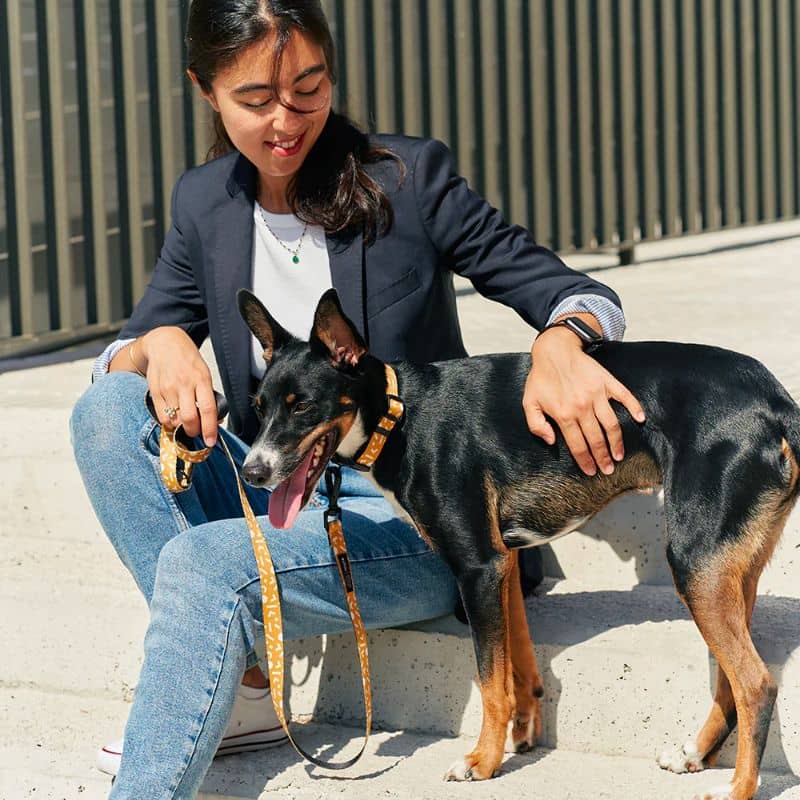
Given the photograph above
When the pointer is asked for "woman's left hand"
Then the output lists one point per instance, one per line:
(572, 389)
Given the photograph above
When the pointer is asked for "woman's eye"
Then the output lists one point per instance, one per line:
(258, 105)
(302, 406)
(309, 93)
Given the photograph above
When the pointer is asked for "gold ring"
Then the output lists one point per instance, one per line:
(171, 412)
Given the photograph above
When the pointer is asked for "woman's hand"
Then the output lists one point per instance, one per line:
(179, 378)
(574, 390)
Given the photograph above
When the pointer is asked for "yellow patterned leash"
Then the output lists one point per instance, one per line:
(177, 478)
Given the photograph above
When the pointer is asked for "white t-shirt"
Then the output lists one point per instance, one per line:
(289, 291)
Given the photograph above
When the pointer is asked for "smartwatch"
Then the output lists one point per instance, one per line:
(590, 338)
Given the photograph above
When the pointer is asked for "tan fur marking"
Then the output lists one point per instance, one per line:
(497, 697)
(527, 681)
(721, 599)
(548, 502)
(793, 466)
(290, 398)
(492, 511)
(425, 535)
(342, 423)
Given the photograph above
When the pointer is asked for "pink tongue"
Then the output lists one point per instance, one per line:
(285, 501)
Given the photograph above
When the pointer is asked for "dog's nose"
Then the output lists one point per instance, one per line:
(257, 474)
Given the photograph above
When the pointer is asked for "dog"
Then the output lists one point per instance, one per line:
(721, 437)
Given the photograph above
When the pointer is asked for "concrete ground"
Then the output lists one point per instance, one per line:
(72, 621)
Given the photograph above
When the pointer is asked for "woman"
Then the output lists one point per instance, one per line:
(303, 201)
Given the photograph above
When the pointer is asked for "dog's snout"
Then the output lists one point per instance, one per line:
(257, 473)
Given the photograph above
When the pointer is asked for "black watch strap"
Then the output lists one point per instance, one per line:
(589, 336)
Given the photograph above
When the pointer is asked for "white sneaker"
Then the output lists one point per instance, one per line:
(253, 726)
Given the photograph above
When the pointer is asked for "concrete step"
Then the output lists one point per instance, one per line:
(625, 673)
(58, 764)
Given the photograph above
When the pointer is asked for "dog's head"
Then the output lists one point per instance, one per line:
(307, 401)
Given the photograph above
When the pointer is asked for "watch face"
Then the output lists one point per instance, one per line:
(586, 332)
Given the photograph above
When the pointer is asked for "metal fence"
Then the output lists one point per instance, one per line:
(595, 123)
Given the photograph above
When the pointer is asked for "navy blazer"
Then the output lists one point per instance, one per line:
(398, 291)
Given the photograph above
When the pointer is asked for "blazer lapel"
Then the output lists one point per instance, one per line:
(231, 270)
(346, 256)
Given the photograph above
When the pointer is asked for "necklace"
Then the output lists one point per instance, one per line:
(295, 254)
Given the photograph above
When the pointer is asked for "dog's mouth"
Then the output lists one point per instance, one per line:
(291, 494)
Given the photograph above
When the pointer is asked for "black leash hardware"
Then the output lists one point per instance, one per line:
(333, 484)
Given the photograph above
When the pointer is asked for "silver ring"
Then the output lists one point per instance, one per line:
(171, 413)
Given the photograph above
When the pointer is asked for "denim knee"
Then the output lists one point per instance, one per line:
(111, 411)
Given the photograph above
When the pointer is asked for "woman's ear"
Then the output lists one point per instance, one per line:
(209, 96)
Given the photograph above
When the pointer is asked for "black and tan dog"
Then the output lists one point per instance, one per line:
(722, 436)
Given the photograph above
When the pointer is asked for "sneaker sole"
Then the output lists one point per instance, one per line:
(108, 761)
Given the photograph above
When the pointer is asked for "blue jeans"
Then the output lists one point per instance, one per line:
(190, 555)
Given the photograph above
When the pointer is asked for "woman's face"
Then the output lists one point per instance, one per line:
(271, 136)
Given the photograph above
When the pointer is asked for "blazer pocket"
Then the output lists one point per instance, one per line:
(393, 293)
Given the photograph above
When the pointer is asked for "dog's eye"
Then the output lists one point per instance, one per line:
(302, 406)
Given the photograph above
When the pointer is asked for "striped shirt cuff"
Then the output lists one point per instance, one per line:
(609, 315)
(103, 361)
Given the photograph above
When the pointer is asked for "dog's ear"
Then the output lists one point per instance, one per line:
(269, 333)
(333, 335)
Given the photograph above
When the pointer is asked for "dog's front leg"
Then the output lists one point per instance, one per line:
(485, 594)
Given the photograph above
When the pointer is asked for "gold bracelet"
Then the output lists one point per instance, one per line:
(130, 356)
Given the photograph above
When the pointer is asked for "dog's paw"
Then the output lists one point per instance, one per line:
(467, 769)
(681, 759)
(522, 735)
(459, 771)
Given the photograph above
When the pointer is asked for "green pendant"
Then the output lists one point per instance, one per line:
(296, 259)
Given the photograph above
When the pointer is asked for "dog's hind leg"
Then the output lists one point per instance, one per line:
(719, 589)
(526, 724)
(702, 751)
(485, 594)
(717, 602)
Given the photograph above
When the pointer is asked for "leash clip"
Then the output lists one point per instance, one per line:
(333, 484)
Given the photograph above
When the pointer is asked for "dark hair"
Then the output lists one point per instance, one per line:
(332, 187)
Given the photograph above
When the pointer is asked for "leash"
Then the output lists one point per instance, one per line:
(177, 462)
(177, 479)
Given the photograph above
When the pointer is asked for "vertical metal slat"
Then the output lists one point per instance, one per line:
(165, 143)
(584, 234)
(626, 148)
(464, 97)
(784, 119)
(711, 117)
(441, 91)
(490, 109)
(19, 222)
(608, 108)
(385, 118)
(513, 44)
(747, 115)
(409, 42)
(670, 169)
(57, 204)
(732, 203)
(356, 100)
(689, 166)
(541, 177)
(765, 48)
(648, 161)
(98, 280)
(132, 185)
(563, 126)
